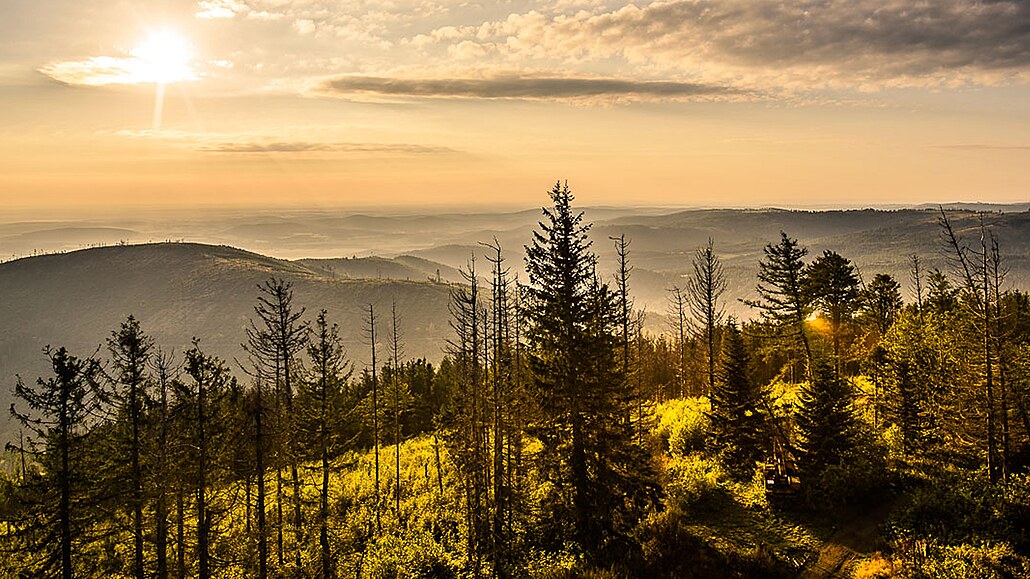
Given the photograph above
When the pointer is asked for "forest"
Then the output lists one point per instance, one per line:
(838, 431)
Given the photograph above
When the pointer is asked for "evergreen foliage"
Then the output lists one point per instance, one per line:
(56, 499)
(833, 288)
(602, 478)
(783, 300)
(882, 302)
(739, 420)
(704, 290)
(325, 419)
(826, 421)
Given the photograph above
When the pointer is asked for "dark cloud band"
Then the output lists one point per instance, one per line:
(553, 88)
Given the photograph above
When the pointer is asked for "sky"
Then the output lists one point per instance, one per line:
(116, 105)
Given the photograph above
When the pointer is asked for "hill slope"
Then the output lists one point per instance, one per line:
(179, 291)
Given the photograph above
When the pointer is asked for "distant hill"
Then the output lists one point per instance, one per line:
(877, 241)
(182, 290)
(403, 267)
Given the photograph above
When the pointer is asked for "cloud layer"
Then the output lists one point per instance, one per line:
(774, 43)
(599, 49)
(512, 87)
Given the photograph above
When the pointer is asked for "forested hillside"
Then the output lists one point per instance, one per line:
(183, 291)
(839, 430)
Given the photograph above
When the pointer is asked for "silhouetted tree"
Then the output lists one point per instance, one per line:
(57, 509)
(284, 335)
(130, 355)
(322, 406)
(783, 301)
(704, 289)
(587, 446)
(882, 302)
(678, 308)
(205, 396)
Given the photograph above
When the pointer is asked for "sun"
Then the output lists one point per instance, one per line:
(163, 58)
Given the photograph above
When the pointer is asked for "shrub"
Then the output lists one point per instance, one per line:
(683, 425)
(696, 483)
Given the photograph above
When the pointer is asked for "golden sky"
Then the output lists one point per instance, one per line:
(122, 104)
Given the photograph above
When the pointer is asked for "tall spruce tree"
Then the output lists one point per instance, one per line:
(738, 419)
(882, 302)
(130, 356)
(467, 413)
(603, 478)
(783, 302)
(322, 407)
(161, 453)
(55, 494)
(833, 287)
(283, 336)
(704, 290)
(826, 421)
(205, 398)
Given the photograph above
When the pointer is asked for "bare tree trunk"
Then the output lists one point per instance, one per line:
(375, 410)
(259, 454)
(396, 410)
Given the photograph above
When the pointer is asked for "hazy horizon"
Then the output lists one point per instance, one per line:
(273, 103)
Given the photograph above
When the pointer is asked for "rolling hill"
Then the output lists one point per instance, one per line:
(182, 290)
(179, 291)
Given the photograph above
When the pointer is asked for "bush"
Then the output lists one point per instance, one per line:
(683, 425)
(985, 561)
(955, 510)
(860, 477)
(696, 483)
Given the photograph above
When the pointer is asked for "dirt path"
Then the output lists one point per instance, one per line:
(854, 538)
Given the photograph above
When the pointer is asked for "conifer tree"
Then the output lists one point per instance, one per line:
(467, 412)
(205, 397)
(783, 302)
(826, 421)
(395, 379)
(678, 308)
(625, 303)
(56, 493)
(322, 407)
(704, 289)
(882, 302)
(738, 419)
(588, 448)
(131, 353)
(833, 287)
(161, 452)
(370, 333)
(282, 336)
(506, 435)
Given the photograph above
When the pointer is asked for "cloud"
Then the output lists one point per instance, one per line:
(529, 88)
(215, 9)
(319, 147)
(105, 70)
(863, 44)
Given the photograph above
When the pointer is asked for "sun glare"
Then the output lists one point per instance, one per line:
(163, 58)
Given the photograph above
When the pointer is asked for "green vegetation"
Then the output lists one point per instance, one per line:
(843, 432)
